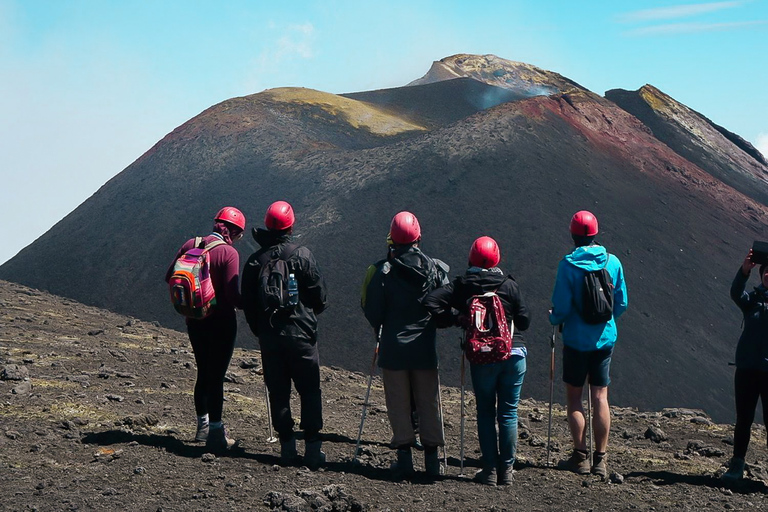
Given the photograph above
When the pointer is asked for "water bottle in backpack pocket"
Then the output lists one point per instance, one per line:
(278, 287)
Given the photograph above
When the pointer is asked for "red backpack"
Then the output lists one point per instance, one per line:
(488, 336)
(192, 292)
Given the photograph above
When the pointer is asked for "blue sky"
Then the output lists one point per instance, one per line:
(108, 79)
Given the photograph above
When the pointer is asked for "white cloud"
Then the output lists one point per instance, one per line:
(678, 11)
(762, 143)
(296, 42)
(282, 56)
(690, 28)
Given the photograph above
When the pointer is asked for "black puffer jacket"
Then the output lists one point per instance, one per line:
(392, 301)
(301, 322)
(752, 350)
(454, 298)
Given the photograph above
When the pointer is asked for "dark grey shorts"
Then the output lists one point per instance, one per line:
(595, 363)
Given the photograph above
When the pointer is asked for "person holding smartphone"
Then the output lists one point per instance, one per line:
(751, 378)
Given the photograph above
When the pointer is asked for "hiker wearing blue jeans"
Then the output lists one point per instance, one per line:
(500, 381)
(497, 384)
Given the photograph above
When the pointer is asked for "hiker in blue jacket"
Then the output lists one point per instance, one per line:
(587, 348)
(751, 378)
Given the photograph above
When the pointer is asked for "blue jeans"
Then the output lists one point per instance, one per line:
(503, 381)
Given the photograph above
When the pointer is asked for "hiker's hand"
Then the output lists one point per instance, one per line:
(748, 264)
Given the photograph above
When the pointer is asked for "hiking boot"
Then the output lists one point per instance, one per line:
(432, 462)
(599, 467)
(486, 476)
(314, 457)
(202, 429)
(218, 440)
(403, 468)
(505, 473)
(735, 471)
(288, 454)
(578, 463)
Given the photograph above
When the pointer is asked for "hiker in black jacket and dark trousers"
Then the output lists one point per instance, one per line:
(500, 381)
(288, 338)
(751, 379)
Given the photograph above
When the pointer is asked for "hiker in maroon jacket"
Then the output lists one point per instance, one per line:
(213, 337)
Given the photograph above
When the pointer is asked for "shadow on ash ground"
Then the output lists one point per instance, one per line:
(97, 413)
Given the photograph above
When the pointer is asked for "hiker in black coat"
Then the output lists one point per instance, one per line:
(392, 295)
(288, 338)
(751, 379)
(496, 381)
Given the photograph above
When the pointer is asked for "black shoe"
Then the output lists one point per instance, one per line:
(288, 454)
(218, 441)
(505, 474)
(403, 468)
(314, 457)
(432, 462)
(202, 430)
(486, 476)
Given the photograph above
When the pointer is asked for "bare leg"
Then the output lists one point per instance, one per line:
(601, 422)
(576, 420)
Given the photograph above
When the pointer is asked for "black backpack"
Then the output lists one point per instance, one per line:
(597, 297)
(273, 278)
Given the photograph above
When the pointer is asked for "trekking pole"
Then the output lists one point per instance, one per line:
(271, 438)
(367, 394)
(551, 390)
(589, 418)
(442, 421)
(461, 435)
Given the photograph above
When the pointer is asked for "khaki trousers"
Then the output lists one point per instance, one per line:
(425, 385)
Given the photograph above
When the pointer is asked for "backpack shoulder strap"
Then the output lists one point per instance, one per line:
(210, 246)
(198, 242)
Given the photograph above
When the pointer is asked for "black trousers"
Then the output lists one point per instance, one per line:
(213, 341)
(289, 360)
(749, 385)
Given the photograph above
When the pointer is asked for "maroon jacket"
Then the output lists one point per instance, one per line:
(225, 273)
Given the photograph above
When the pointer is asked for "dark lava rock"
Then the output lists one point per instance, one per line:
(655, 434)
(14, 372)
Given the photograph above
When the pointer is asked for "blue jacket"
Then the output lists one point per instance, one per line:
(567, 295)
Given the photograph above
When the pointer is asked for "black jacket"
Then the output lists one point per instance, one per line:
(453, 298)
(392, 300)
(301, 322)
(752, 350)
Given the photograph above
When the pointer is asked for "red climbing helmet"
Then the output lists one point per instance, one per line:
(584, 223)
(405, 228)
(231, 215)
(279, 216)
(484, 253)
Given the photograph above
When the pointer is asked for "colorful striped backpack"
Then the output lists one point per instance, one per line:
(191, 288)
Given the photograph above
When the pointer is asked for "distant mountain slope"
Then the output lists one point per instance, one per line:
(721, 153)
(516, 172)
(440, 103)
